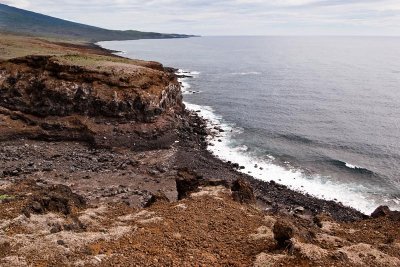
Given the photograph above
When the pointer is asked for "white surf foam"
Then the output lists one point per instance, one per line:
(185, 85)
(351, 166)
(264, 168)
(193, 74)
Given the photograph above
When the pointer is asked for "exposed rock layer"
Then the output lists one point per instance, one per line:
(102, 100)
(91, 86)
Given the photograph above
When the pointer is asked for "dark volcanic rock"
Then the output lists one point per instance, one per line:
(384, 211)
(189, 182)
(63, 86)
(57, 198)
(158, 197)
(243, 192)
(104, 101)
(283, 231)
(381, 211)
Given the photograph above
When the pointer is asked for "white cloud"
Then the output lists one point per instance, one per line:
(17, 3)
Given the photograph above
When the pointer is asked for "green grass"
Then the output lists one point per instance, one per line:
(4, 197)
(92, 59)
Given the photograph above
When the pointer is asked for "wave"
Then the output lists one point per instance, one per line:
(334, 162)
(348, 165)
(358, 148)
(352, 168)
(246, 73)
(337, 163)
(296, 138)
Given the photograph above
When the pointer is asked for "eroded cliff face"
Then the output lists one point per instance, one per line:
(90, 86)
(104, 100)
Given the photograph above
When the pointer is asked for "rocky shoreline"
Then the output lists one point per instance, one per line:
(97, 149)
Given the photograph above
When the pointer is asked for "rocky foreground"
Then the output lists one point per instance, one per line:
(101, 165)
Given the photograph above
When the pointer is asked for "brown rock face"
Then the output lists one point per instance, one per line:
(158, 197)
(381, 211)
(90, 86)
(243, 192)
(384, 211)
(58, 198)
(283, 231)
(189, 182)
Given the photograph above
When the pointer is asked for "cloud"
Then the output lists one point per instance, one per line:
(17, 3)
(230, 17)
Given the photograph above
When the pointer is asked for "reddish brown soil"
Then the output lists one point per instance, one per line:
(207, 228)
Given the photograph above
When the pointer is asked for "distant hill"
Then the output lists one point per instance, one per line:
(19, 21)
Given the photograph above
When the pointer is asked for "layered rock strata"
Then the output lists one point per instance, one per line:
(90, 86)
(104, 100)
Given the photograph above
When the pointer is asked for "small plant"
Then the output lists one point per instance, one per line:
(4, 197)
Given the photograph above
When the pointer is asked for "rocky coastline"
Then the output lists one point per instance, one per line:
(101, 165)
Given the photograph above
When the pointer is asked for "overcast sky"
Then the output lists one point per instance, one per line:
(230, 17)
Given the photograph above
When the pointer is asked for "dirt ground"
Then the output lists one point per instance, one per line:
(208, 228)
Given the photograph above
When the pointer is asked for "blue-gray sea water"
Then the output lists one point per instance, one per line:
(324, 109)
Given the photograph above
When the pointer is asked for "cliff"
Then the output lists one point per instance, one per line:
(89, 86)
(75, 97)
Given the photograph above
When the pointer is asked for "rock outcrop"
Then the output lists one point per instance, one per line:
(90, 86)
(243, 192)
(103, 100)
(55, 198)
(189, 182)
(384, 211)
(283, 231)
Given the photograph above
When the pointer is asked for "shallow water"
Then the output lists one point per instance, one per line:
(319, 114)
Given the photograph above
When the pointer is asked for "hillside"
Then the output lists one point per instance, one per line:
(19, 21)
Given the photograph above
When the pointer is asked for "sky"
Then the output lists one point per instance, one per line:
(229, 17)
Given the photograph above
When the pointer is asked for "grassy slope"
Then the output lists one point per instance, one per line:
(19, 21)
(12, 46)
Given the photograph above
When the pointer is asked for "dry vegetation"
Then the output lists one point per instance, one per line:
(12, 46)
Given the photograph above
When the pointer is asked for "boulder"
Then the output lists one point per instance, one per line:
(384, 211)
(381, 211)
(243, 192)
(189, 182)
(56, 198)
(158, 197)
(283, 231)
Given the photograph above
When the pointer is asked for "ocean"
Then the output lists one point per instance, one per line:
(318, 114)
